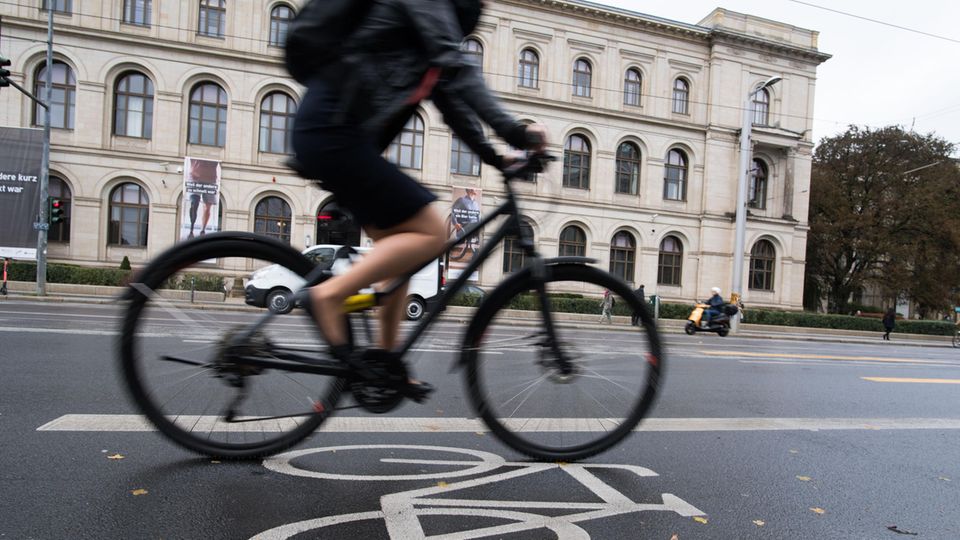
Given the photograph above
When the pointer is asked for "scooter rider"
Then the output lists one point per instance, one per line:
(715, 302)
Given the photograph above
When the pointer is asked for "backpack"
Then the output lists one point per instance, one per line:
(317, 34)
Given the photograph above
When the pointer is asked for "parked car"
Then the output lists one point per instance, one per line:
(272, 286)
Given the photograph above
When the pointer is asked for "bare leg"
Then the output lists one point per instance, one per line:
(206, 217)
(397, 250)
(391, 312)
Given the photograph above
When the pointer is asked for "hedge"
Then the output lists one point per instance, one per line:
(65, 273)
(110, 277)
(577, 304)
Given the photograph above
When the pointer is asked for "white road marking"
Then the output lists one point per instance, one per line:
(136, 423)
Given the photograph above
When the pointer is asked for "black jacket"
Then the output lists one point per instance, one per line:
(386, 58)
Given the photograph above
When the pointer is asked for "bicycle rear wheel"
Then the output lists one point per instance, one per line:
(179, 318)
(526, 396)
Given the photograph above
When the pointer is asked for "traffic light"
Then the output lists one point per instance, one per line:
(55, 210)
(4, 72)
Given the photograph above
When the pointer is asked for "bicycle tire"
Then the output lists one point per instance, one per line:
(591, 394)
(148, 336)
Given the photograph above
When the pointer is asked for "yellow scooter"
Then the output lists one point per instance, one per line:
(719, 323)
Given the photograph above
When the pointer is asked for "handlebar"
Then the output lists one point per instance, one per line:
(530, 164)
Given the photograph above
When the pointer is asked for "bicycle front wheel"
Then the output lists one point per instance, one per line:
(576, 398)
(182, 313)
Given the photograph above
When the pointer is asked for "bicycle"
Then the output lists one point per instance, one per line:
(250, 388)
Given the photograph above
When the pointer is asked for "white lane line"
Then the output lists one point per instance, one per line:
(133, 422)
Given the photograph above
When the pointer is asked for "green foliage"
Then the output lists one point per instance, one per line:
(195, 282)
(65, 273)
(846, 322)
(883, 212)
(125, 263)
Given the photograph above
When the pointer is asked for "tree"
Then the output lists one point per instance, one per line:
(882, 211)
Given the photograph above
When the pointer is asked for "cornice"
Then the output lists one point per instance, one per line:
(720, 35)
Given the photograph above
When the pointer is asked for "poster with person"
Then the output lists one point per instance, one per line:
(201, 195)
(465, 211)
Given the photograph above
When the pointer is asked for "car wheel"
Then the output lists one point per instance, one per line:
(415, 308)
(279, 301)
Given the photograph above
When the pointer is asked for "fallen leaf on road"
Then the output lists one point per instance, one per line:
(759, 522)
(441, 484)
(115, 456)
(674, 537)
(803, 478)
(139, 491)
(214, 461)
(818, 510)
(480, 433)
(900, 531)
(700, 519)
(944, 478)
(794, 451)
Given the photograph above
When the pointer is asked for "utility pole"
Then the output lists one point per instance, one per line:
(45, 165)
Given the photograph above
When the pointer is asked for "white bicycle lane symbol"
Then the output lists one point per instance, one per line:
(401, 511)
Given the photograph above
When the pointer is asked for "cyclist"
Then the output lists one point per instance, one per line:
(404, 51)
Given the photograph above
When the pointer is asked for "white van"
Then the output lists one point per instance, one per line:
(271, 286)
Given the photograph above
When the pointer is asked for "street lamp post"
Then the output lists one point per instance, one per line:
(742, 180)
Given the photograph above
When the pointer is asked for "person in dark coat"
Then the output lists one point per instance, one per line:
(889, 321)
(635, 319)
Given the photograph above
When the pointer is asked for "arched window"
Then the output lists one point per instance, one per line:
(213, 18)
(63, 100)
(60, 232)
(272, 217)
(628, 168)
(762, 258)
(757, 194)
(573, 242)
(632, 87)
(133, 110)
(462, 158)
(137, 12)
(529, 71)
(406, 150)
(513, 254)
(675, 176)
(576, 162)
(280, 18)
(208, 115)
(129, 216)
(681, 96)
(276, 123)
(582, 78)
(623, 256)
(473, 50)
(336, 226)
(761, 107)
(670, 265)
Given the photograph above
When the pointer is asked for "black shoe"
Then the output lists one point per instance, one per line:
(417, 391)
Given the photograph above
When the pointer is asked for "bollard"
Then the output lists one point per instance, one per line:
(193, 282)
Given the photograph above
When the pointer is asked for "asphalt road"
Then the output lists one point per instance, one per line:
(750, 438)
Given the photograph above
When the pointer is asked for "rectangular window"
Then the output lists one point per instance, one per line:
(462, 159)
(213, 15)
(137, 12)
(59, 6)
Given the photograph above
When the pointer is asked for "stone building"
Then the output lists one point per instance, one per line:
(644, 111)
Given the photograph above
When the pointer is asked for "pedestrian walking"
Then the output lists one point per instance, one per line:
(635, 319)
(606, 307)
(889, 321)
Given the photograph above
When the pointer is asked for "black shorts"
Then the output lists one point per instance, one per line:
(332, 149)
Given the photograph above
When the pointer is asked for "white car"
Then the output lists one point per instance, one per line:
(272, 286)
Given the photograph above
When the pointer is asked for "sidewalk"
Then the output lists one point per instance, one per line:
(88, 294)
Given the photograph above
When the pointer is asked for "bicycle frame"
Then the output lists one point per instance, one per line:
(510, 226)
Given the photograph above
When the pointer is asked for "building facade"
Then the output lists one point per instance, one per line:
(644, 111)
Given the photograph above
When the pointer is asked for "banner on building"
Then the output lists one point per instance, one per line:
(21, 158)
(464, 211)
(201, 196)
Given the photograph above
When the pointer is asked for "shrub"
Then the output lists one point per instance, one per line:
(65, 273)
(196, 282)
(125, 263)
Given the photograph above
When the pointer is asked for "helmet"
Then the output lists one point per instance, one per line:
(715, 290)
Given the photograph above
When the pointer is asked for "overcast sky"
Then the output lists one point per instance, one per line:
(879, 75)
